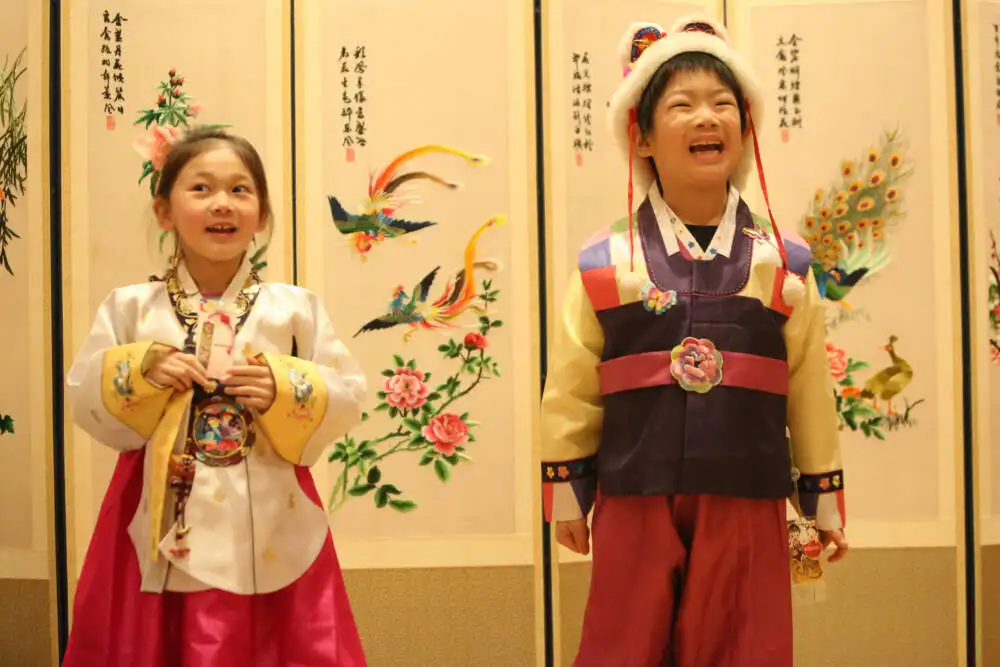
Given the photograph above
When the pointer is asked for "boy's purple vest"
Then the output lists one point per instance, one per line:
(661, 439)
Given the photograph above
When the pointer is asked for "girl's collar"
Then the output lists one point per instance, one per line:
(236, 284)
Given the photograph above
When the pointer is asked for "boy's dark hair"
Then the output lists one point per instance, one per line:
(689, 61)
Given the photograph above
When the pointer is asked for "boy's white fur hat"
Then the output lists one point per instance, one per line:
(642, 50)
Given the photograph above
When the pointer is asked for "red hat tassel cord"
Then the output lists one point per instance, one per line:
(763, 188)
(631, 149)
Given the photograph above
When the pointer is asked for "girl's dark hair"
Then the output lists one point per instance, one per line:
(201, 139)
(689, 61)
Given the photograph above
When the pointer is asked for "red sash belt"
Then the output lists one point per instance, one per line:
(652, 369)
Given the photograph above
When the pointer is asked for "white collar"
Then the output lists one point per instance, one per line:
(232, 291)
(675, 232)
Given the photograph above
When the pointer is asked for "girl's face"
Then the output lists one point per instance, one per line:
(696, 137)
(213, 207)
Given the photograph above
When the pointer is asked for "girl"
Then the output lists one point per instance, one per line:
(691, 338)
(219, 391)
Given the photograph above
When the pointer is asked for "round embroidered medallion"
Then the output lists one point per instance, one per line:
(222, 434)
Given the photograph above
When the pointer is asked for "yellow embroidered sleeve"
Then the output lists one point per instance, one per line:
(572, 413)
(299, 407)
(812, 415)
(125, 392)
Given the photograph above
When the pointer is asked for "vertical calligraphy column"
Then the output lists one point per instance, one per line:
(353, 105)
(112, 72)
(582, 105)
(789, 86)
(996, 66)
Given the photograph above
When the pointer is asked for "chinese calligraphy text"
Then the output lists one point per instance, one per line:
(789, 85)
(582, 106)
(996, 67)
(112, 73)
(353, 65)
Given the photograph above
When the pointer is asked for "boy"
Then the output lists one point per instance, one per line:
(691, 338)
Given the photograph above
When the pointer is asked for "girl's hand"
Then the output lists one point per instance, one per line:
(178, 371)
(253, 384)
(574, 535)
(837, 538)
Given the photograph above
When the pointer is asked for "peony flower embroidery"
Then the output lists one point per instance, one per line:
(157, 145)
(475, 341)
(656, 300)
(406, 389)
(446, 432)
(696, 365)
(838, 362)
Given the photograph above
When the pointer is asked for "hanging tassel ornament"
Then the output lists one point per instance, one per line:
(793, 288)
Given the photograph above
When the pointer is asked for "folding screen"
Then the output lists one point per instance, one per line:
(981, 26)
(135, 72)
(859, 149)
(25, 397)
(417, 227)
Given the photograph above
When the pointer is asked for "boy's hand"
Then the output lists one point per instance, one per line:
(837, 538)
(574, 535)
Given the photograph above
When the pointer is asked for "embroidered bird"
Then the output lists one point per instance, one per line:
(458, 295)
(376, 220)
(891, 380)
(846, 226)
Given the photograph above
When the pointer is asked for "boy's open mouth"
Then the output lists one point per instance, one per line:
(706, 147)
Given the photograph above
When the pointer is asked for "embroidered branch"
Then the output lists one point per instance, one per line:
(422, 420)
(13, 151)
(994, 301)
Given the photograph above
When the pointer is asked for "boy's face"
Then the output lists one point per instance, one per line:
(696, 137)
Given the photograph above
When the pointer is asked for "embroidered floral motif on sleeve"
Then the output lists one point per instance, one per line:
(823, 483)
(123, 382)
(302, 389)
(568, 471)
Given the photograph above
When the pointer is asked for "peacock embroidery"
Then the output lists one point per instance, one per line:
(376, 220)
(848, 228)
(848, 224)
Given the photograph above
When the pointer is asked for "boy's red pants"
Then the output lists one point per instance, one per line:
(688, 581)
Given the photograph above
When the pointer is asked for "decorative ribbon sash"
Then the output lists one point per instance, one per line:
(696, 366)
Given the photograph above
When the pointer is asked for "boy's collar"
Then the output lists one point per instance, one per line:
(674, 230)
